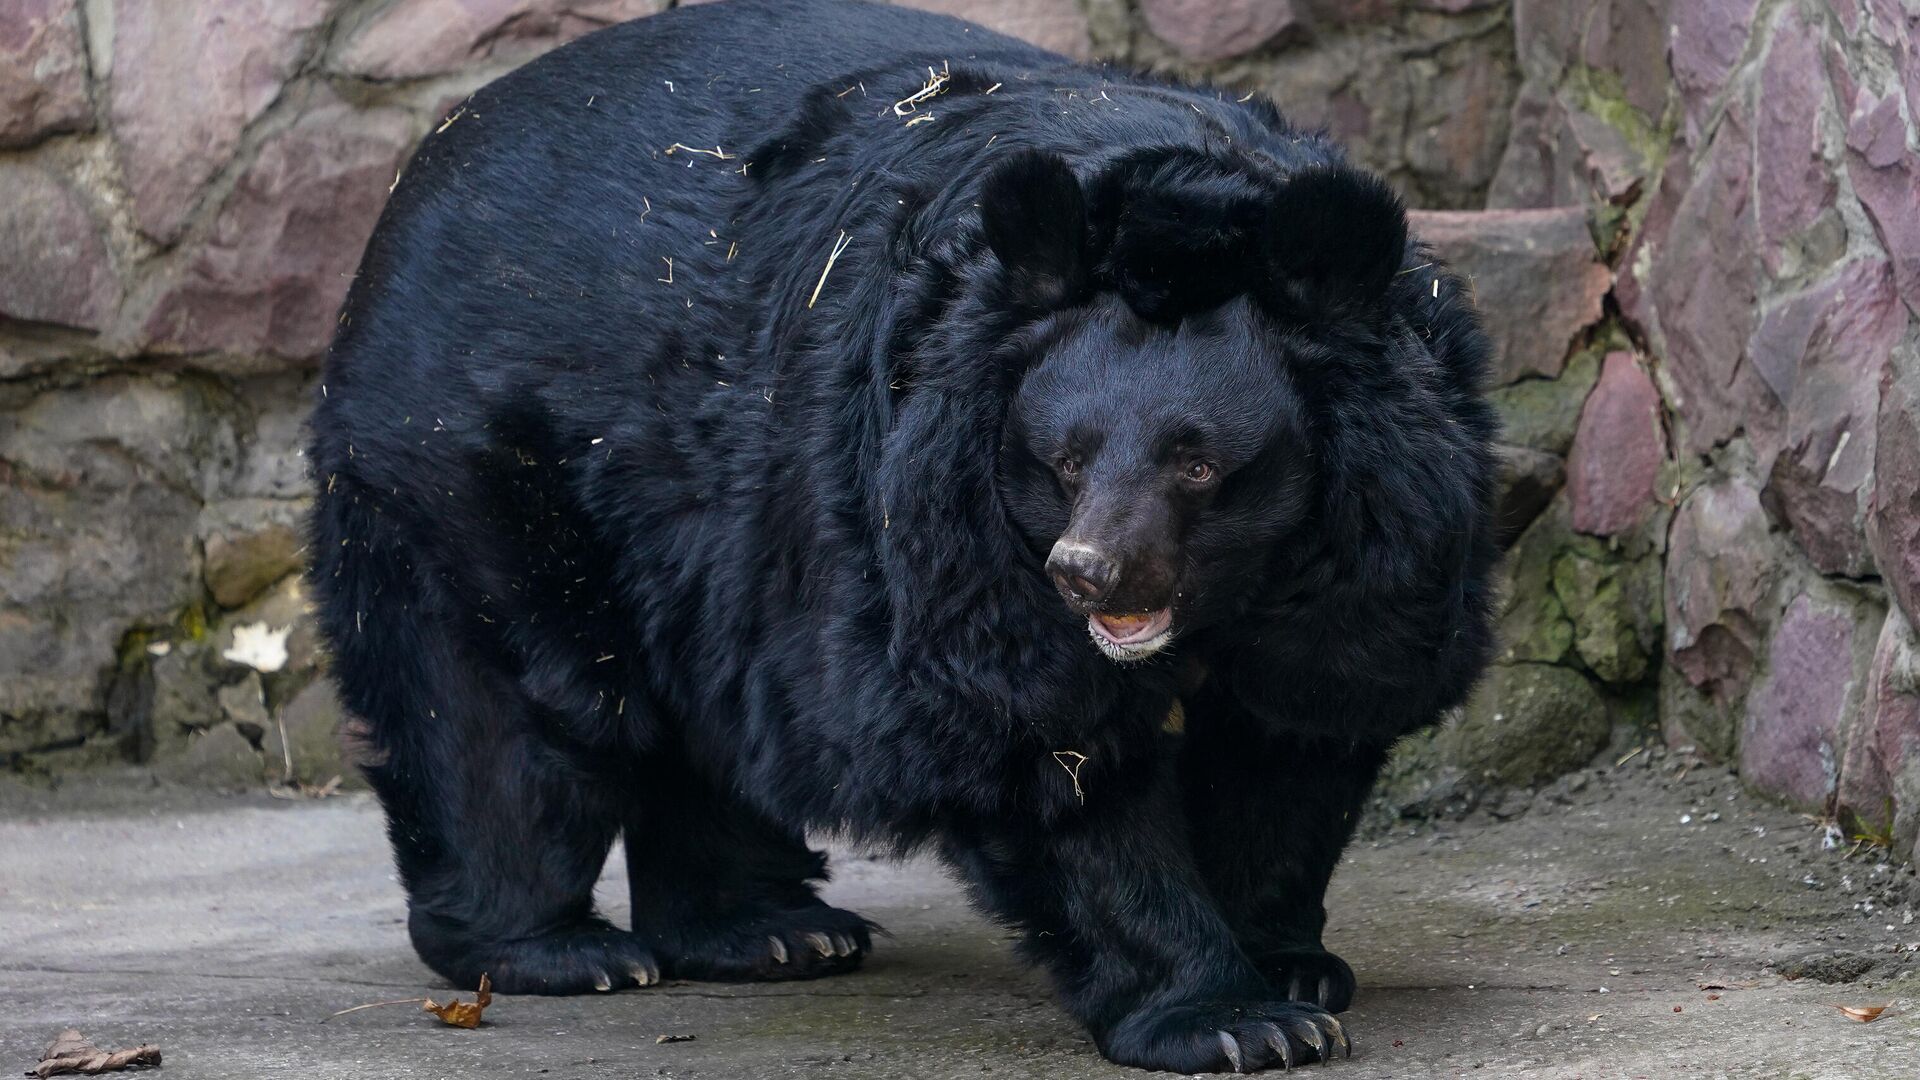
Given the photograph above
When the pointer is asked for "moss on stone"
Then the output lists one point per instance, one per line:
(1601, 94)
(1605, 643)
(1528, 723)
(1614, 607)
(1541, 414)
(192, 623)
(133, 648)
(1691, 715)
(1534, 625)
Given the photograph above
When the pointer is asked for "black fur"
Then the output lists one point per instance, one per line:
(610, 546)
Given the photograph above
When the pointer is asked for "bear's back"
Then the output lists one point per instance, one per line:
(580, 220)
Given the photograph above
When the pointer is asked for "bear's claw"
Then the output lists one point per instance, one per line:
(801, 943)
(1310, 975)
(1228, 1038)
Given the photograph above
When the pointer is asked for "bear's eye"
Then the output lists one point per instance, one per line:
(1202, 472)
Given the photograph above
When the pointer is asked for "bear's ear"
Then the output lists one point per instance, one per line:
(1335, 238)
(1035, 216)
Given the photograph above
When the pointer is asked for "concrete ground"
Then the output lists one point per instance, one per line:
(1636, 927)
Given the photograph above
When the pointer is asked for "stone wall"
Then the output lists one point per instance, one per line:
(1694, 226)
(1736, 545)
(187, 187)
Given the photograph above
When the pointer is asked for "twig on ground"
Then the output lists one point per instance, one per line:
(373, 1005)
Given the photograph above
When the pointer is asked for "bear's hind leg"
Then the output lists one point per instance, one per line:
(497, 834)
(507, 887)
(499, 841)
(723, 894)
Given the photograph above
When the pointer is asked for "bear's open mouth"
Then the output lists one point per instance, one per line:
(1131, 636)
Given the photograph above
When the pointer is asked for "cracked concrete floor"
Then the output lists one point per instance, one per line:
(1570, 941)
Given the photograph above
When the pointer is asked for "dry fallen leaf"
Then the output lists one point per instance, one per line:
(464, 1014)
(674, 1038)
(72, 1054)
(1860, 1014)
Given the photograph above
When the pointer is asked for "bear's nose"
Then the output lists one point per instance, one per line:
(1082, 572)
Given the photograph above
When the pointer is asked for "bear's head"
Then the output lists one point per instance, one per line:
(1161, 444)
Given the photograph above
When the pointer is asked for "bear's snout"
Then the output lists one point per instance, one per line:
(1084, 574)
(1127, 624)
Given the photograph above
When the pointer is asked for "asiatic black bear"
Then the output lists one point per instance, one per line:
(802, 414)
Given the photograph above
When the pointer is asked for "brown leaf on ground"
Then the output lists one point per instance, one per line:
(1860, 1014)
(71, 1054)
(464, 1014)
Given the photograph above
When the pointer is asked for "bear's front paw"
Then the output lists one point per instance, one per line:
(1314, 976)
(1239, 1038)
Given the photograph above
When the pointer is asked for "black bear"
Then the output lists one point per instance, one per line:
(807, 414)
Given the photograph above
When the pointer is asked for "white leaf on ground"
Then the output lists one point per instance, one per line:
(259, 646)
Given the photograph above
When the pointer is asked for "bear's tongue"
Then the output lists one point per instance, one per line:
(1131, 629)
